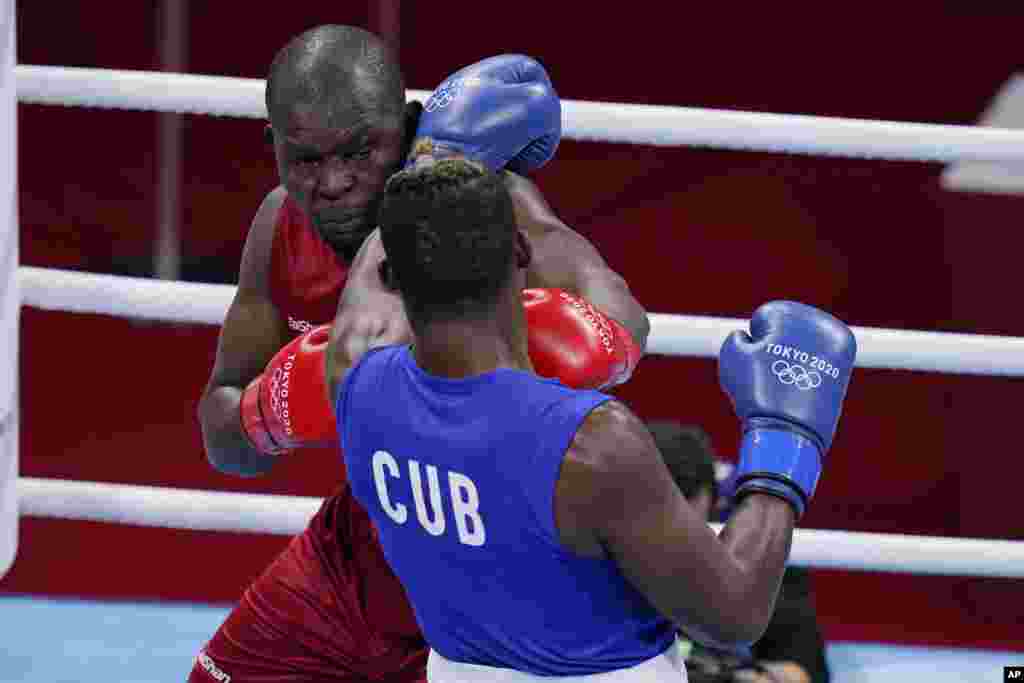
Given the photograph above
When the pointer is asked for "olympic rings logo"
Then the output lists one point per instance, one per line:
(796, 375)
(447, 92)
(440, 99)
(279, 383)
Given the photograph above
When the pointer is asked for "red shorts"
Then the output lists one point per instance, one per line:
(327, 609)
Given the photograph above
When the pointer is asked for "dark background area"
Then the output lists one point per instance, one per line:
(694, 231)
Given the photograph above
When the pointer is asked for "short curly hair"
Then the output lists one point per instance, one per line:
(449, 232)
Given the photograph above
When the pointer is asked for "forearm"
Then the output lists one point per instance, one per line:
(758, 536)
(608, 291)
(564, 259)
(227, 448)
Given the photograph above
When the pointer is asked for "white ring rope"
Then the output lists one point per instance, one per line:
(599, 121)
(671, 335)
(288, 515)
(76, 292)
(168, 508)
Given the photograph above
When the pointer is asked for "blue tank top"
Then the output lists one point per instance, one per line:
(459, 478)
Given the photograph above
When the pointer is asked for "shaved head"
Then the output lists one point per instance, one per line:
(342, 71)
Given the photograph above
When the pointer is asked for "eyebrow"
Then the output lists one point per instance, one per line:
(300, 148)
(355, 136)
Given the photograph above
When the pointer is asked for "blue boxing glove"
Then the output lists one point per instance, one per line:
(787, 380)
(502, 112)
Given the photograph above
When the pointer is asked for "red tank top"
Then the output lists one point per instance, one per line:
(306, 277)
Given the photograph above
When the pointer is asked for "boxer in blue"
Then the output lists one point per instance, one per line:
(535, 527)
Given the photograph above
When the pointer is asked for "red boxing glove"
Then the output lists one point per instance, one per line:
(571, 340)
(287, 406)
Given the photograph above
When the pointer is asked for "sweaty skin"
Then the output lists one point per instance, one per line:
(254, 330)
(370, 312)
(252, 333)
(615, 497)
(334, 174)
(564, 259)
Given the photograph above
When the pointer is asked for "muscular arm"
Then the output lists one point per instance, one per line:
(369, 314)
(564, 259)
(253, 332)
(616, 496)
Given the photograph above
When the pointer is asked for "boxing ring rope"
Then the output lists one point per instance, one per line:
(599, 121)
(671, 334)
(245, 512)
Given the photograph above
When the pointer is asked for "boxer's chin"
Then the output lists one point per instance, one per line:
(345, 234)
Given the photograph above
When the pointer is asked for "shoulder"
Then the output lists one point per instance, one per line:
(609, 427)
(259, 241)
(612, 442)
(610, 461)
(266, 214)
(533, 213)
(558, 250)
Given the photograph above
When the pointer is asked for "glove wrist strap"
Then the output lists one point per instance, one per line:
(778, 461)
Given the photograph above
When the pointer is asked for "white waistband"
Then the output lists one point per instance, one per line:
(668, 666)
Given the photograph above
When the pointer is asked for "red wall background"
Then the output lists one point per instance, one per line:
(693, 231)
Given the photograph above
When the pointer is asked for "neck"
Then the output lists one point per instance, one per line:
(464, 348)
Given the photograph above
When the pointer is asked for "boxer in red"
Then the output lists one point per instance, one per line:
(329, 608)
